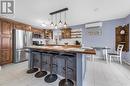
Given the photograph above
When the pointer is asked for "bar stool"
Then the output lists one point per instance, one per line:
(52, 77)
(66, 81)
(32, 68)
(41, 73)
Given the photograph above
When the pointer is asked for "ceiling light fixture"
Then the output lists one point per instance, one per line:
(60, 24)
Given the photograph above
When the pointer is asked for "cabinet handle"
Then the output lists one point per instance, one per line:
(4, 55)
(1, 55)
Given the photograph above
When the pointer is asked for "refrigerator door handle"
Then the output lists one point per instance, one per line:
(25, 39)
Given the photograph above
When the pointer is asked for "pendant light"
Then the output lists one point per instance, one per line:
(52, 24)
(65, 24)
(60, 22)
(56, 27)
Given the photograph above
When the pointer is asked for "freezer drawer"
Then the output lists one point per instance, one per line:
(21, 55)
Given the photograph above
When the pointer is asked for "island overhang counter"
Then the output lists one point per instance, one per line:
(77, 61)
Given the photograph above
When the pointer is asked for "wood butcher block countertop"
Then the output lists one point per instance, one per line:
(73, 49)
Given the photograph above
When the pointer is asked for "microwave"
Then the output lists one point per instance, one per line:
(35, 35)
(38, 43)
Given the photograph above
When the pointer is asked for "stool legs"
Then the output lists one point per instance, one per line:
(32, 69)
(51, 77)
(40, 73)
(66, 81)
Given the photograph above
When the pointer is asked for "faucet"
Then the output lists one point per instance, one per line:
(56, 41)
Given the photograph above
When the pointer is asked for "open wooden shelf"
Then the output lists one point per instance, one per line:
(76, 37)
(76, 34)
(76, 31)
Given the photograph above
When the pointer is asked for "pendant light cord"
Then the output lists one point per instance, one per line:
(56, 19)
(60, 16)
(52, 20)
(65, 16)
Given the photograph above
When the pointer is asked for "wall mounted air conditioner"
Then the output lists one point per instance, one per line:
(93, 25)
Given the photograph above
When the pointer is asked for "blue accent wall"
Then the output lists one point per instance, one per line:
(108, 35)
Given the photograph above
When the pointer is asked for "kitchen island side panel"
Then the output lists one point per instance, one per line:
(79, 79)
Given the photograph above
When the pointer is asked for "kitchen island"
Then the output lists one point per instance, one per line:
(75, 63)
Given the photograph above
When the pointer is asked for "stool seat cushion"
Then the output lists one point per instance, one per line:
(34, 51)
(37, 51)
(68, 54)
(54, 53)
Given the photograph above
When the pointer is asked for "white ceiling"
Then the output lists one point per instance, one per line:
(36, 12)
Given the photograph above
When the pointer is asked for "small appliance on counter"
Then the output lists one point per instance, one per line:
(35, 42)
(38, 43)
(77, 42)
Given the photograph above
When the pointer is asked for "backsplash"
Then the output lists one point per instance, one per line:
(63, 41)
(70, 41)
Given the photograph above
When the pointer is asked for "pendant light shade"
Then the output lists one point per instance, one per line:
(56, 22)
(60, 22)
(56, 27)
(52, 24)
(65, 24)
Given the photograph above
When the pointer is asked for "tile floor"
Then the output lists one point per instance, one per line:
(98, 74)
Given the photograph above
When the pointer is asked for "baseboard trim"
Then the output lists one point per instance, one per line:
(128, 63)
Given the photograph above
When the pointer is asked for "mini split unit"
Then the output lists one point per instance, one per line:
(93, 25)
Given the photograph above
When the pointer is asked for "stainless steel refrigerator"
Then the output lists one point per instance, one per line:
(21, 39)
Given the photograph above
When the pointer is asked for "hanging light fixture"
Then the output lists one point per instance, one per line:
(60, 23)
(52, 24)
(65, 24)
(56, 22)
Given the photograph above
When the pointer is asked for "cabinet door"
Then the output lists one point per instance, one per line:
(66, 33)
(6, 50)
(6, 28)
(0, 52)
(5, 42)
(27, 28)
(48, 34)
(0, 27)
(5, 57)
(19, 26)
(0, 58)
(37, 31)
